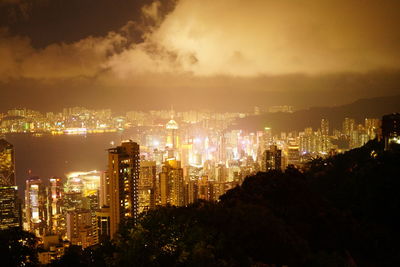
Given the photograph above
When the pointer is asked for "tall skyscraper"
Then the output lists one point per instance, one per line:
(123, 171)
(172, 138)
(10, 206)
(104, 191)
(7, 163)
(57, 193)
(36, 206)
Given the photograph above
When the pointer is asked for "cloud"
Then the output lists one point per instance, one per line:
(232, 37)
(84, 58)
(222, 37)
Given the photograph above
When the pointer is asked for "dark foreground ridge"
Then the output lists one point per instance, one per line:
(342, 211)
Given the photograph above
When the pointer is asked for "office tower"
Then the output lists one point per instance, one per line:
(10, 206)
(267, 137)
(172, 137)
(123, 171)
(391, 129)
(56, 194)
(104, 191)
(36, 206)
(93, 206)
(272, 159)
(80, 228)
(172, 184)
(147, 185)
(7, 164)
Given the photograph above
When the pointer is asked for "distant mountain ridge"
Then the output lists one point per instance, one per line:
(297, 121)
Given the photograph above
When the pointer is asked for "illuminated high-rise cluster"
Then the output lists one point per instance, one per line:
(10, 209)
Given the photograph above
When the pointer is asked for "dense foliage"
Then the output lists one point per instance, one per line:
(18, 248)
(342, 211)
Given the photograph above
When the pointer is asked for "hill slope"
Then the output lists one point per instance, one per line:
(359, 110)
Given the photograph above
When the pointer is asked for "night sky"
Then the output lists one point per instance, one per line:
(219, 54)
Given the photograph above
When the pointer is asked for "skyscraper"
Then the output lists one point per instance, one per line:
(36, 206)
(10, 206)
(123, 171)
(57, 193)
(7, 164)
(172, 138)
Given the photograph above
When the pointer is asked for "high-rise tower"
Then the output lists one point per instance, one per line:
(10, 208)
(123, 172)
(7, 164)
(36, 206)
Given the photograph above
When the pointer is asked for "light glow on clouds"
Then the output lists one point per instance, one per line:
(224, 37)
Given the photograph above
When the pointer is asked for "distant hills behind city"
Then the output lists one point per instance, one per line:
(298, 120)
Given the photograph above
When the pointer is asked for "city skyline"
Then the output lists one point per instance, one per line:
(199, 133)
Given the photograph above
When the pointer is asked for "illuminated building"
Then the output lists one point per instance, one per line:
(10, 206)
(192, 191)
(80, 228)
(123, 171)
(104, 191)
(348, 126)
(272, 159)
(87, 183)
(172, 138)
(293, 155)
(73, 200)
(205, 191)
(391, 129)
(7, 164)
(56, 194)
(267, 137)
(286, 109)
(147, 188)
(172, 184)
(103, 223)
(221, 173)
(372, 126)
(53, 249)
(325, 140)
(36, 206)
